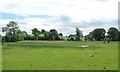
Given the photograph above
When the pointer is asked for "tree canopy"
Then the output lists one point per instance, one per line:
(78, 34)
(11, 31)
(113, 33)
(36, 33)
(13, 34)
(98, 34)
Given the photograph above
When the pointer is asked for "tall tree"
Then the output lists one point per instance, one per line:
(36, 33)
(53, 34)
(43, 31)
(90, 36)
(99, 34)
(25, 35)
(21, 35)
(46, 35)
(42, 35)
(78, 34)
(11, 30)
(112, 33)
(60, 36)
(8, 37)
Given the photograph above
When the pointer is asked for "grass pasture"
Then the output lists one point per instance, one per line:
(59, 55)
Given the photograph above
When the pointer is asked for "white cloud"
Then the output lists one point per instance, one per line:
(81, 9)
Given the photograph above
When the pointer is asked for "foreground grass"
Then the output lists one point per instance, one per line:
(59, 55)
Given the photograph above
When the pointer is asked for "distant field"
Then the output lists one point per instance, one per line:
(60, 55)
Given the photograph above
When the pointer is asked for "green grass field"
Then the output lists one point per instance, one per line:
(59, 55)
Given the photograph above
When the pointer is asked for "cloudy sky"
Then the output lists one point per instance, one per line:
(62, 15)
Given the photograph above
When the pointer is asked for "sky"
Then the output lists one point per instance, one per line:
(63, 15)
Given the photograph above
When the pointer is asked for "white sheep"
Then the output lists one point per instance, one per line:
(92, 55)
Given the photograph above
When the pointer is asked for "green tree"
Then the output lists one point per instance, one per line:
(46, 35)
(60, 36)
(71, 37)
(86, 38)
(36, 33)
(43, 31)
(30, 37)
(98, 34)
(21, 35)
(42, 35)
(11, 31)
(112, 33)
(90, 36)
(53, 34)
(8, 37)
(78, 34)
(25, 35)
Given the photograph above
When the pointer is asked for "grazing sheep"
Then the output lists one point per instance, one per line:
(92, 55)
(105, 68)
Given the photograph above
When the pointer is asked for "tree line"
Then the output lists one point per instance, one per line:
(14, 34)
(99, 34)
